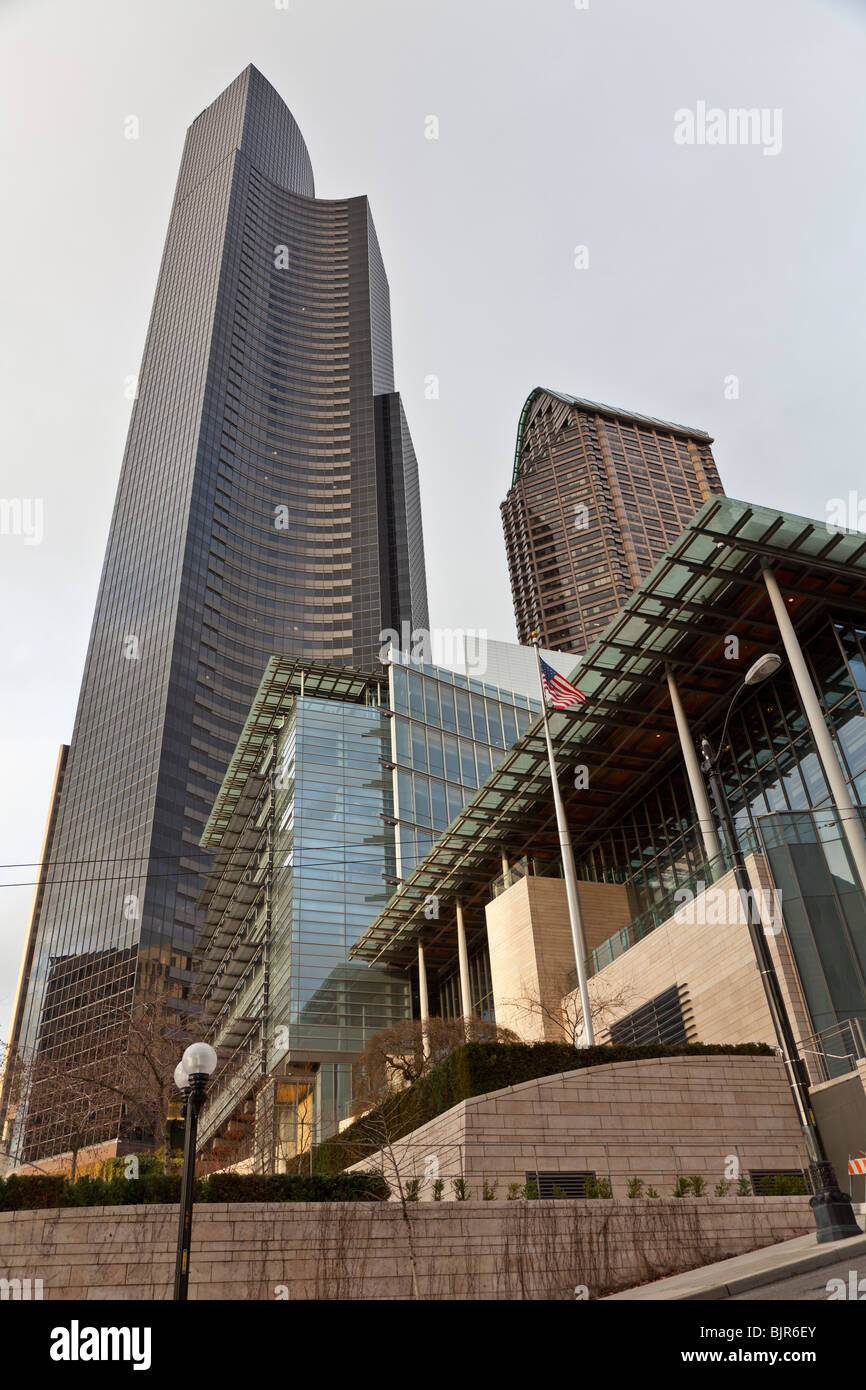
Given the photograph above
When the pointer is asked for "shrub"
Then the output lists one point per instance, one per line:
(460, 1190)
(488, 1191)
(438, 1189)
(635, 1187)
(88, 1191)
(148, 1163)
(699, 1186)
(788, 1185)
(293, 1187)
(783, 1185)
(412, 1189)
(31, 1193)
(596, 1187)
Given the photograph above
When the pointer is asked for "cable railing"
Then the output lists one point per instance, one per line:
(833, 1051)
(665, 907)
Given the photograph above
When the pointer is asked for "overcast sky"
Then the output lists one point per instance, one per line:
(556, 130)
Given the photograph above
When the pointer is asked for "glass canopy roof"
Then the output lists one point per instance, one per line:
(707, 587)
(284, 678)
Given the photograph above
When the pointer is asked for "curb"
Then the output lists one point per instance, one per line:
(798, 1264)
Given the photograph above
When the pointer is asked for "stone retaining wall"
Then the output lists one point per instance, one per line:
(655, 1119)
(346, 1250)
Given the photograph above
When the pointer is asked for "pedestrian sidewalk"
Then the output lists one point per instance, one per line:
(745, 1272)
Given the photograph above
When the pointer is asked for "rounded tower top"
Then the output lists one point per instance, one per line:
(251, 116)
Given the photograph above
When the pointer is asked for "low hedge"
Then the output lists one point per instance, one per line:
(34, 1193)
(479, 1067)
(294, 1187)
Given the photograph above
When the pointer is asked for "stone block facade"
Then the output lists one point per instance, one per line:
(531, 949)
(714, 1117)
(705, 948)
(361, 1250)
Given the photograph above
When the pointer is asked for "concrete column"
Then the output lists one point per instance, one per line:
(852, 826)
(706, 820)
(463, 958)
(423, 1000)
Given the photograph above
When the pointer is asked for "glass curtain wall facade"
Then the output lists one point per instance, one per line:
(448, 733)
(326, 824)
(782, 808)
(825, 913)
(597, 497)
(254, 514)
(332, 850)
(332, 853)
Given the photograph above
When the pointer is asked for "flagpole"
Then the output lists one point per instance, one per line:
(569, 872)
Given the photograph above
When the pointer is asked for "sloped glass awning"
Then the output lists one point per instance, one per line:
(284, 678)
(706, 588)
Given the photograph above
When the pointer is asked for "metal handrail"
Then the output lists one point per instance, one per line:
(656, 914)
(816, 1049)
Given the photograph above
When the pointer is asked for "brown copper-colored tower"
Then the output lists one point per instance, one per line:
(597, 496)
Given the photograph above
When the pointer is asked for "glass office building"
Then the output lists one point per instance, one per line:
(268, 501)
(449, 732)
(339, 780)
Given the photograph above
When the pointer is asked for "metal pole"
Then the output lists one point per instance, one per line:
(766, 966)
(193, 1100)
(712, 847)
(852, 826)
(463, 960)
(834, 1215)
(569, 873)
(423, 1000)
(506, 870)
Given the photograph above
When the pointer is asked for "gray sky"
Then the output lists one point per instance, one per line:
(556, 130)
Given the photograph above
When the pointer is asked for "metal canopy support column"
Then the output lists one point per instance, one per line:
(706, 820)
(848, 814)
(463, 958)
(423, 1000)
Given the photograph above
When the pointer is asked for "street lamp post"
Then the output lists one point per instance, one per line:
(834, 1215)
(191, 1077)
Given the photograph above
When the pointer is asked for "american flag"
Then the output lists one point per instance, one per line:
(560, 692)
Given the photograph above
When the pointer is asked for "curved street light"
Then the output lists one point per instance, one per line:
(831, 1207)
(191, 1077)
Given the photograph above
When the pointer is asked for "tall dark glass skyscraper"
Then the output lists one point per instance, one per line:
(268, 502)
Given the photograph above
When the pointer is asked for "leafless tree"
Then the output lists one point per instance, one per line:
(402, 1054)
(564, 1017)
(157, 1037)
(126, 1083)
(379, 1130)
